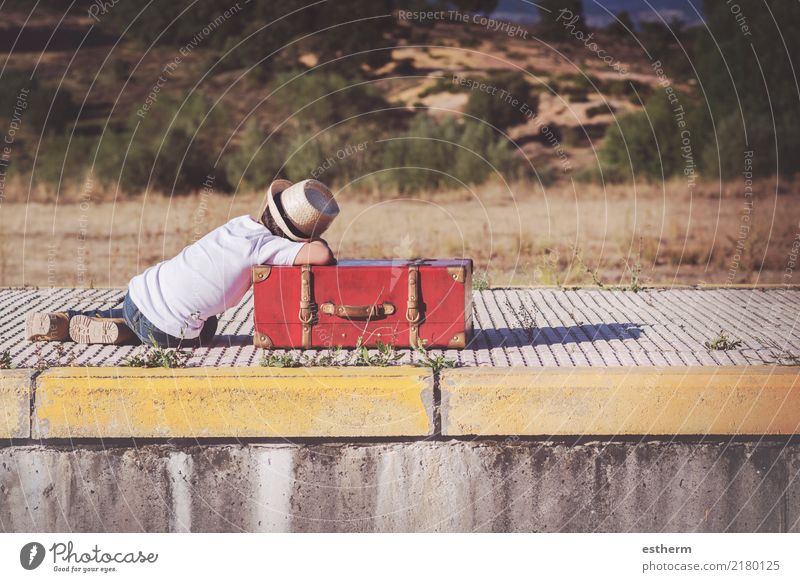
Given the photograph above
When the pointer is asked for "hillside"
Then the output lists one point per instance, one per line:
(106, 81)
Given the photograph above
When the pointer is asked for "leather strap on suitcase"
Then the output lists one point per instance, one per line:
(306, 314)
(413, 314)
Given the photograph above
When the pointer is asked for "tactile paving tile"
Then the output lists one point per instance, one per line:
(513, 327)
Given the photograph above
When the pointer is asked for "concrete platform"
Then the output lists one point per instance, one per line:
(514, 328)
(571, 410)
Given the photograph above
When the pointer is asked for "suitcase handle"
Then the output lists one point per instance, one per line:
(375, 311)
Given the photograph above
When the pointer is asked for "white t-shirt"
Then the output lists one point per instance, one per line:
(208, 276)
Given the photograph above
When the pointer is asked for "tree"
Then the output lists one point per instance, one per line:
(730, 63)
(557, 18)
(622, 26)
(668, 43)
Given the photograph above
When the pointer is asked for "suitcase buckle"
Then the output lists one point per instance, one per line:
(412, 314)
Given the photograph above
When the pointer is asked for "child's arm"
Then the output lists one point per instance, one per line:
(316, 252)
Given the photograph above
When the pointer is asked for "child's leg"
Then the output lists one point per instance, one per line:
(144, 330)
(209, 331)
(47, 327)
(100, 326)
(113, 313)
(151, 335)
(87, 329)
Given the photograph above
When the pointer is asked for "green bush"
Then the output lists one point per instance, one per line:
(337, 155)
(405, 67)
(172, 148)
(420, 159)
(722, 155)
(576, 87)
(424, 157)
(318, 99)
(625, 88)
(433, 155)
(497, 107)
(64, 159)
(30, 111)
(254, 163)
(647, 143)
(670, 44)
(601, 109)
(39, 107)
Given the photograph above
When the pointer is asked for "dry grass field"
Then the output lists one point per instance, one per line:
(563, 235)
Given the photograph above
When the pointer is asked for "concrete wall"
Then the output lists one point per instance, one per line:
(430, 485)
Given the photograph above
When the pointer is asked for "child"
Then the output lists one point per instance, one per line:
(176, 302)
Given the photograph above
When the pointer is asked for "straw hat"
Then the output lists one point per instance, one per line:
(303, 210)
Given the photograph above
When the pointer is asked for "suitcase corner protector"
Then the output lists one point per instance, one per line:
(458, 340)
(261, 273)
(261, 340)
(459, 274)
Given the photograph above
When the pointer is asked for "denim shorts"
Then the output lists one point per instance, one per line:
(149, 334)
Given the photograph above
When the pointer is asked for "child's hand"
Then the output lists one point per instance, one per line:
(316, 252)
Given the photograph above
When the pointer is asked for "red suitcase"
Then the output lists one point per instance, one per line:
(393, 302)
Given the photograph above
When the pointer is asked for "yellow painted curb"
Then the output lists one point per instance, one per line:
(736, 400)
(233, 402)
(15, 403)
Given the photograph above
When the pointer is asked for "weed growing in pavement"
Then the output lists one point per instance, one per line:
(635, 272)
(157, 358)
(548, 270)
(331, 357)
(386, 355)
(360, 356)
(526, 317)
(285, 360)
(59, 357)
(722, 342)
(576, 251)
(435, 363)
(480, 281)
(5, 361)
(780, 355)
